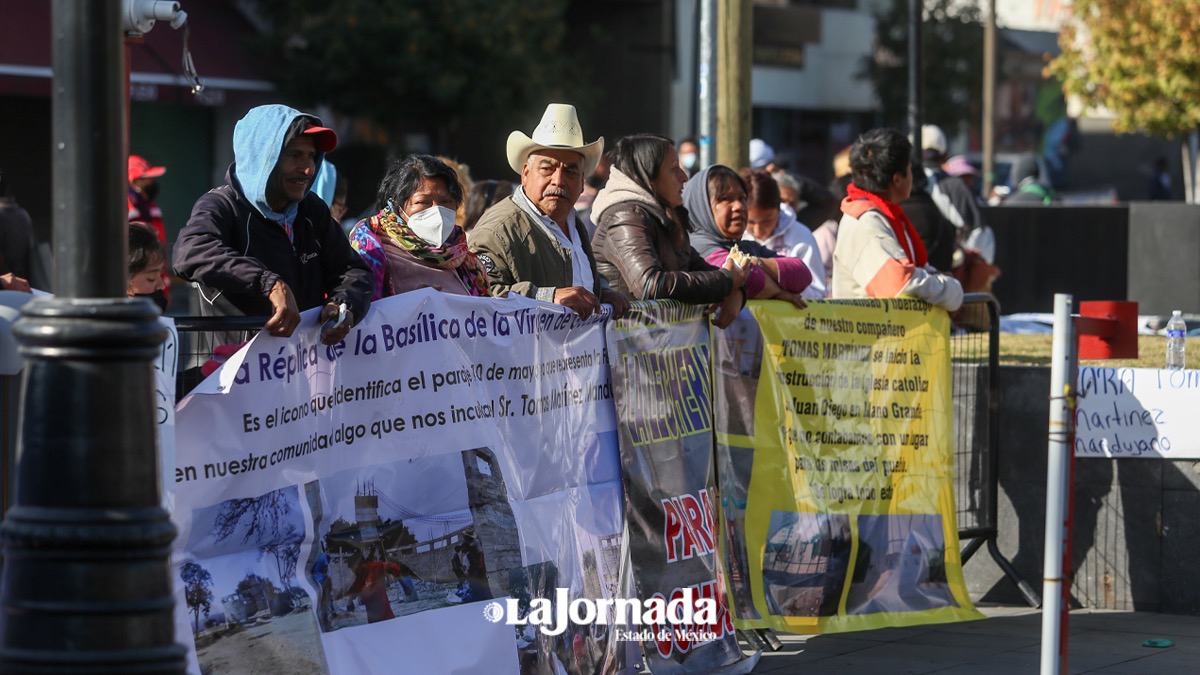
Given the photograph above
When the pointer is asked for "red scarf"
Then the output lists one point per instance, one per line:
(901, 225)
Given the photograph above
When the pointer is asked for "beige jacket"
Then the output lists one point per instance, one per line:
(520, 257)
(868, 262)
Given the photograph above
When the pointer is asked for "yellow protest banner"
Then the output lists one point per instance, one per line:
(834, 436)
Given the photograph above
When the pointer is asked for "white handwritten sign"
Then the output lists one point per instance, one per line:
(1138, 412)
(165, 367)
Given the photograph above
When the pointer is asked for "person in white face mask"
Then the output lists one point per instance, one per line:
(413, 241)
(689, 156)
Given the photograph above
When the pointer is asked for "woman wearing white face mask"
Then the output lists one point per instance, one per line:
(413, 242)
(689, 156)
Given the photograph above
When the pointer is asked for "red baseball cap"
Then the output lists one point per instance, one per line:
(140, 168)
(324, 139)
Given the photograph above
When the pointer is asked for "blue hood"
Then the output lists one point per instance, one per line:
(325, 182)
(257, 143)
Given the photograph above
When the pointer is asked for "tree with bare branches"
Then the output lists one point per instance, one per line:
(286, 553)
(257, 518)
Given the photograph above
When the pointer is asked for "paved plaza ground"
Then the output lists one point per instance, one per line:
(1007, 642)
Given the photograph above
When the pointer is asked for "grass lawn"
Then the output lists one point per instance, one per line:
(1034, 350)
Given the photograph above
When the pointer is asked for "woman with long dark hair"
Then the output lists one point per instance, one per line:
(641, 242)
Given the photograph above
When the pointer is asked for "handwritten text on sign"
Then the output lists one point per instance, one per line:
(1137, 412)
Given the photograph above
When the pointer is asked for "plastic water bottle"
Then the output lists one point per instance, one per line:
(1176, 336)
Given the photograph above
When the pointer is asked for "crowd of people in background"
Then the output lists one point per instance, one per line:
(577, 226)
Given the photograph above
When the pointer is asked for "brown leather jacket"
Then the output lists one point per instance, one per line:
(639, 256)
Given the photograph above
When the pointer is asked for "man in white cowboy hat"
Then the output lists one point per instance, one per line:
(532, 243)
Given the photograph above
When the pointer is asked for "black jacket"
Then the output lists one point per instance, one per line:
(236, 255)
(16, 239)
(932, 227)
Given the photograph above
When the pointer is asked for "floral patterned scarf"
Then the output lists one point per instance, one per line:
(451, 255)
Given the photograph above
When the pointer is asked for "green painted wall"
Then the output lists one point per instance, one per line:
(179, 137)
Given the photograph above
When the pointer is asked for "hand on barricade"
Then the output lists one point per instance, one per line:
(728, 309)
(12, 282)
(793, 298)
(577, 298)
(619, 302)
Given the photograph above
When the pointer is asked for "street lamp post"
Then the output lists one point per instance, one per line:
(86, 586)
(915, 9)
(989, 100)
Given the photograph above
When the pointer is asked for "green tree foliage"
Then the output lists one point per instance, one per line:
(1141, 60)
(253, 585)
(416, 64)
(951, 62)
(197, 590)
(341, 525)
(396, 534)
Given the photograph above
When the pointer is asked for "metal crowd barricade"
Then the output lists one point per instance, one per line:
(975, 365)
(199, 336)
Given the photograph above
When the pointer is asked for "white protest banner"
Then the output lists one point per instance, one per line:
(1137, 412)
(354, 509)
(165, 367)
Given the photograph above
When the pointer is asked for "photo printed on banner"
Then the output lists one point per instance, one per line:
(734, 466)
(737, 356)
(249, 612)
(900, 566)
(805, 562)
(408, 537)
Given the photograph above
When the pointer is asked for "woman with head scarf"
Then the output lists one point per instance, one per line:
(641, 241)
(715, 199)
(413, 241)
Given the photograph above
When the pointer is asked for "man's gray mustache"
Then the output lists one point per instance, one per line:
(554, 192)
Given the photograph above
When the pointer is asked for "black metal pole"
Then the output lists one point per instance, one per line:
(914, 74)
(87, 579)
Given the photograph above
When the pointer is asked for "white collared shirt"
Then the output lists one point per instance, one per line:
(581, 266)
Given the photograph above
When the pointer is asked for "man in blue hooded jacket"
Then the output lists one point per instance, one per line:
(264, 244)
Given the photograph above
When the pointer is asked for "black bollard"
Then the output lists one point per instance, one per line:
(86, 583)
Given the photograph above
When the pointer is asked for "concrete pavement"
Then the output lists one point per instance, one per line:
(1007, 642)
